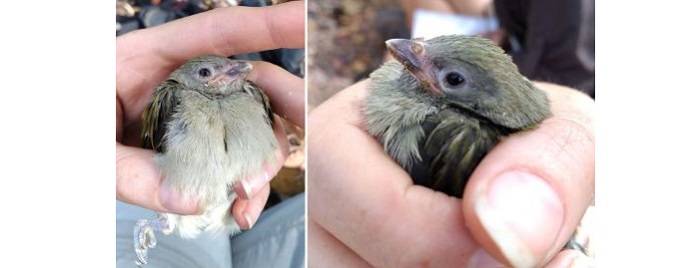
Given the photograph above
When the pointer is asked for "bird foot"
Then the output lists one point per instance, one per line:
(145, 236)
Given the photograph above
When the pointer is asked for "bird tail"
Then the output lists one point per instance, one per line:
(215, 220)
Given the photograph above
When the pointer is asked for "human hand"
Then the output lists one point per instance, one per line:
(146, 57)
(520, 206)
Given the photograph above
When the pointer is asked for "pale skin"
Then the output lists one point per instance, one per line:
(365, 211)
(146, 57)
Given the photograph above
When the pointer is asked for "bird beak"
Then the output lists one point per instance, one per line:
(411, 53)
(234, 70)
(239, 68)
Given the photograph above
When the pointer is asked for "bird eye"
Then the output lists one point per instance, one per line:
(204, 72)
(454, 79)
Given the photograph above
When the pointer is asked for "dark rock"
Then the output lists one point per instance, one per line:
(127, 26)
(155, 15)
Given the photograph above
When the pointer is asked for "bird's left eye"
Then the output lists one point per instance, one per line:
(454, 79)
(204, 72)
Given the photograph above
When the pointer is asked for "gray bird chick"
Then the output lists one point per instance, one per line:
(444, 103)
(210, 127)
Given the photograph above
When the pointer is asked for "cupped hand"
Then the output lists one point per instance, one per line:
(520, 205)
(146, 57)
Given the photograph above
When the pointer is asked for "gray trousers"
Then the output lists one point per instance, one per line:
(276, 240)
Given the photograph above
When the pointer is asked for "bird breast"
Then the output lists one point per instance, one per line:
(213, 143)
(394, 113)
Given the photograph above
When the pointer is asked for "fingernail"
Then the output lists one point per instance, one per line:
(250, 221)
(482, 259)
(242, 189)
(174, 202)
(247, 186)
(522, 214)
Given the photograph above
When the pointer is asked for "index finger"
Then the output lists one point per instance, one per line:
(286, 91)
(230, 31)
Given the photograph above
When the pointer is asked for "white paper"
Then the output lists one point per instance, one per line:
(429, 24)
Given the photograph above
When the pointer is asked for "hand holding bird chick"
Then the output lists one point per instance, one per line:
(208, 124)
(445, 102)
(146, 57)
(191, 175)
(538, 184)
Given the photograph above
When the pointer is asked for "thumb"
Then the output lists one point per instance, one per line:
(529, 193)
(139, 182)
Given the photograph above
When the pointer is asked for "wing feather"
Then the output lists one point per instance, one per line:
(157, 114)
(253, 89)
(453, 147)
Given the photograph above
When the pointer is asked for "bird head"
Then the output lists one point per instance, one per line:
(214, 75)
(473, 74)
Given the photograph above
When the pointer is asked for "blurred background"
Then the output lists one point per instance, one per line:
(549, 40)
(138, 14)
(346, 42)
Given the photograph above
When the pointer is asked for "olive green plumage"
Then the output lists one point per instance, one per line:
(210, 127)
(444, 103)
(166, 98)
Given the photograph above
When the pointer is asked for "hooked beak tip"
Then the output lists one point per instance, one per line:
(391, 43)
(409, 52)
(240, 67)
(396, 46)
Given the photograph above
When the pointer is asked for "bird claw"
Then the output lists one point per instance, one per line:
(166, 226)
(145, 236)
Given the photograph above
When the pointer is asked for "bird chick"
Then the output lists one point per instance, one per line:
(210, 127)
(444, 103)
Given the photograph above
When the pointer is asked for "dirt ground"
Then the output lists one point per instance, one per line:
(346, 42)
